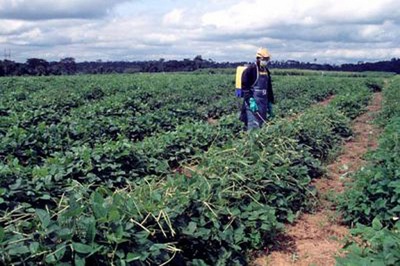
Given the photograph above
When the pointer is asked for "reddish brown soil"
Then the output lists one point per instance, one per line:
(316, 238)
(212, 121)
(365, 138)
(326, 101)
(187, 170)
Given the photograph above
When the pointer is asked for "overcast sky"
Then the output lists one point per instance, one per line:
(332, 31)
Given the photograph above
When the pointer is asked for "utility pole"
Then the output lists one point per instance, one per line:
(7, 56)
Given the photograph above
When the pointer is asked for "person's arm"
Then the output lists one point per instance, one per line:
(248, 78)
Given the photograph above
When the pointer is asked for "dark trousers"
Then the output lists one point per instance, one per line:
(256, 119)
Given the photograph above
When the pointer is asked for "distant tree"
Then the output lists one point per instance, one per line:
(2, 69)
(161, 65)
(20, 70)
(37, 66)
(12, 68)
(198, 61)
(68, 65)
(8, 67)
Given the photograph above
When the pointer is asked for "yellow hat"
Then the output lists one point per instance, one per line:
(263, 52)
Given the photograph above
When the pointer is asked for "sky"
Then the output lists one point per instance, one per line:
(322, 31)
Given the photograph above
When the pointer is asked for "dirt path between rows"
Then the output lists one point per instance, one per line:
(316, 238)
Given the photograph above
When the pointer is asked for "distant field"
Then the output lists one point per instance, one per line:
(153, 168)
(300, 72)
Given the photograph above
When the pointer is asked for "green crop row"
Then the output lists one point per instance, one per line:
(58, 120)
(372, 200)
(81, 204)
(346, 102)
(373, 192)
(114, 162)
(48, 120)
(145, 99)
(207, 218)
(301, 72)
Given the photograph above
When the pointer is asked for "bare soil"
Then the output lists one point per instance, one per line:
(212, 121)
(316, 238)
(326, 101)
(187, 170)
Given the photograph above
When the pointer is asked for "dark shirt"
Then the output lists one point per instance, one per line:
(249, 77)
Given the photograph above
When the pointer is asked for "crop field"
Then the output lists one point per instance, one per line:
(371, 203)
(155, 169)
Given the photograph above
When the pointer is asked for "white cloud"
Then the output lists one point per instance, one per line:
(12, 26)
(50, 9)
(173, 17)
(219, 29)
(381, 33)
(359, 11)
(256, 14)
(259, 13)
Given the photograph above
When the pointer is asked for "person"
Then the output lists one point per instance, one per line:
(258, 96)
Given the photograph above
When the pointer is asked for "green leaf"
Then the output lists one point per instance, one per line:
(98, 205)
(82, 248)
(90, 229)
(60, 251)
(290, 217)
(132, 256)
(239, 235)
(16, 185)
(44, 217)
(199, 262)
(65, 233)
(190, 229)
(376, 224)
(156, 196)
(73, 212)
(50, 259)
(2, 233)
(20, 250)
(142, 238)
(33, 247)
(79, 261)
(113, 215)
(45, 197)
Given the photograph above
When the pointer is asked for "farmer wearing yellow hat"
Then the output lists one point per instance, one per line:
(257, 93)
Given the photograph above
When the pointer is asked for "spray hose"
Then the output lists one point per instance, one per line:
(256, 112)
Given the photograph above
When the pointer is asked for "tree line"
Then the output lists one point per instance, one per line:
(69, 66)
